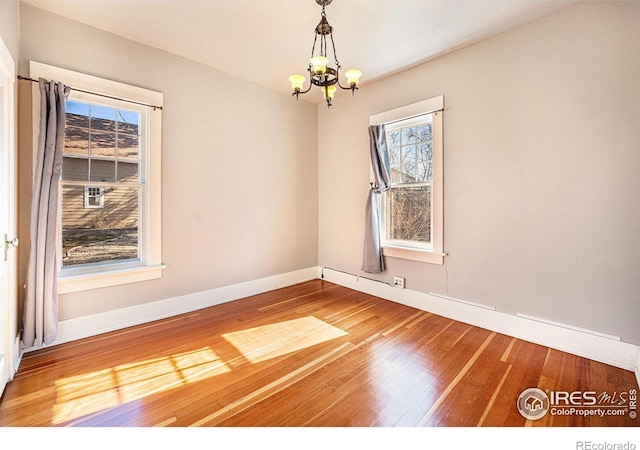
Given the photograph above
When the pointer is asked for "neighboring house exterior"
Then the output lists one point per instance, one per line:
(100, 151)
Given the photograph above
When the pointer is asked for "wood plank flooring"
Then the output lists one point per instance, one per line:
(310, 355)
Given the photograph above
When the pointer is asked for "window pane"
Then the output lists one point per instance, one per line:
(424, 132)
(396, 174)
(103, 118)
(425, 152)
(424, 171)
(394, 138)
(127, 172)
(77, 114)
(76, 141)
(104, 171)
(394, 156)
(408, 135)
(408, 173)
(103, 144)
(99, 235)
(408, 154)
(75, 169)
(128, 121)
(128, 146)
(409, 214)
(94, 200)
(404, 173)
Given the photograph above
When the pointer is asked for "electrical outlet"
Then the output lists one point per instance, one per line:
(398, 282)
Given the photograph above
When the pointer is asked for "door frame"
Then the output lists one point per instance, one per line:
(8, 315)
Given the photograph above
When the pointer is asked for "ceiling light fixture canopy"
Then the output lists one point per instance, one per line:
(320, 73)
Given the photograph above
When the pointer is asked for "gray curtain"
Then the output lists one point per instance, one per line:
(372, 260)
(40, 321)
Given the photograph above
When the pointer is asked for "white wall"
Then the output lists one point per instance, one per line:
(10, 26)
(239, 192)
(542, 156)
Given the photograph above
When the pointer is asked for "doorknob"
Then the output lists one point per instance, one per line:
(14, 242)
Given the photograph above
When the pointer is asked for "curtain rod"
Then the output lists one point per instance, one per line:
(20, 77)
(412, 117)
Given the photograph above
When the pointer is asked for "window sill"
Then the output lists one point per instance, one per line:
(426, 256)
(96, 280)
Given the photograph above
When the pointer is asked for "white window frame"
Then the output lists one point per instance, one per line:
(433, 253)
(149, 266)
(88, 195)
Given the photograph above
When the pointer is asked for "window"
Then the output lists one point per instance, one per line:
(93, 197)
(102, 145)
(411, 216)
(110, 185)
(407, 205)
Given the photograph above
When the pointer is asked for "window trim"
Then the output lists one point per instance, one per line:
(435, 254)
(150, 266)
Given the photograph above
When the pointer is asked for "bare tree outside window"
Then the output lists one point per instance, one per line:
(409, 216)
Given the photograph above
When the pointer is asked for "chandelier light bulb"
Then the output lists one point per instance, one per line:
(319, 64)
(353, 77)
(297, 81)
(328, 92)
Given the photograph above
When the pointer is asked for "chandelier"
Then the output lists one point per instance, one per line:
(320, 74)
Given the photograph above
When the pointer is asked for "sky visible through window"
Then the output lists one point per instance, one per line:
(102, 112)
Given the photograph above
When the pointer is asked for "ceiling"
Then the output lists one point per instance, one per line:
(265, 41)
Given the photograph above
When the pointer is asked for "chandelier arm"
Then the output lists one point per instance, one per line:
(310, 84)
(349, 88)
(298, 92)
(335, 56)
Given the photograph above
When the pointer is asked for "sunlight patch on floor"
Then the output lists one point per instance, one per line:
(88, 393)
(273, 340)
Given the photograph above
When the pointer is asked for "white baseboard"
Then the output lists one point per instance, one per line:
(81, 327)
(588, 344)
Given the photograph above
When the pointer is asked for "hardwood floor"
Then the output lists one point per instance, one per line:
(310, 355)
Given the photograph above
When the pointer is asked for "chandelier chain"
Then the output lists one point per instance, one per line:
(315, 39)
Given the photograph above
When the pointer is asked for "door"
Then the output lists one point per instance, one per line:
(8, 302)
